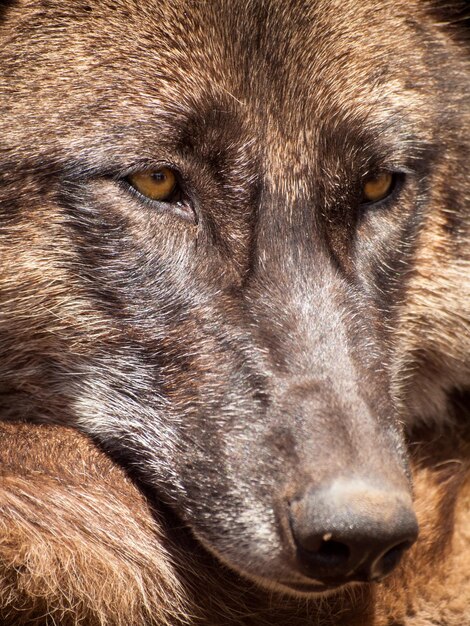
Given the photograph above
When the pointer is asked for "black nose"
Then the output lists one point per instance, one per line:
(351, 531)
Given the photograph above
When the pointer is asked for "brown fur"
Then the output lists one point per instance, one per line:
(272, 343)
(80, 544)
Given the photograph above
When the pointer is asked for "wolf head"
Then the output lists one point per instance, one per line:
(220, 227)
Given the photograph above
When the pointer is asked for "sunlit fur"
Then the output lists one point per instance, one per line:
(281, 334)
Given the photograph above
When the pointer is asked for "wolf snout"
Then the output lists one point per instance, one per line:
(351, 531)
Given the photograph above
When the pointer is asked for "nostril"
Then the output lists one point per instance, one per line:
(390, 559)
(329, 553)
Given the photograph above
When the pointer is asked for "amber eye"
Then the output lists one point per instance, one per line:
(377, 187)
(156, 185)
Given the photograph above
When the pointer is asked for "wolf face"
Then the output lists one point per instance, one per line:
(218, 222)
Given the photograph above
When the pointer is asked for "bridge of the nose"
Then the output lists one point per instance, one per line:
(331, 397)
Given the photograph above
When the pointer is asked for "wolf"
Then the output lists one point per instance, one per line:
(234, 242)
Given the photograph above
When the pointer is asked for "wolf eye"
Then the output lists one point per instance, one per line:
(160, 189)
(160, 185)
(377, 187)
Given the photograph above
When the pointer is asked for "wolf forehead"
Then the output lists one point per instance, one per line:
(173, 73)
